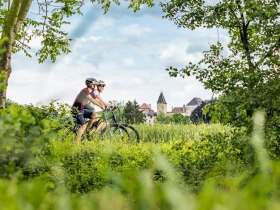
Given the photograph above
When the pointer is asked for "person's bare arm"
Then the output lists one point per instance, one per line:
(95, 101)
(102, 101)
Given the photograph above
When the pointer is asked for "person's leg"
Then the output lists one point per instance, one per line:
(102, 130)
(94, 118)
(97, 126)
(89, 114)
(80, 133)
(101, 126)
(80, 121)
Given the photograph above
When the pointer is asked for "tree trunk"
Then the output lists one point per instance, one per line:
(13, 20)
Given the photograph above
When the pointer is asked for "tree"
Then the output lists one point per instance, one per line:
(176, 118)
(20, 24)
(248, 77)
(132, 114)
(162, 118)
(198, 114)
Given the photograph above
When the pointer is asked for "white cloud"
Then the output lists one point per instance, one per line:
(136, 81)
(35, 43)
(89, 39)
(173, 53)
(128, 62)
(103, 23)
(135, 30)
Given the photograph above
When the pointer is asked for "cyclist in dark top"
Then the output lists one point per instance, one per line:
(82, 109)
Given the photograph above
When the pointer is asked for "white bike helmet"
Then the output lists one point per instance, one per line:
(101, 82)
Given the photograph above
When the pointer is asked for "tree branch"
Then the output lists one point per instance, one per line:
(270, 51)
(244, 36)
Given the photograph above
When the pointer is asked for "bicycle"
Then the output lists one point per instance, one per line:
(115, 129)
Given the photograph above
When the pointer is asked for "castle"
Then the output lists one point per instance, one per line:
(185, 110)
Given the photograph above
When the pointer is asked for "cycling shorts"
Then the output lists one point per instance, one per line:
(82, 115)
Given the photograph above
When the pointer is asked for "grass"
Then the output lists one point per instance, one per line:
(158, 173)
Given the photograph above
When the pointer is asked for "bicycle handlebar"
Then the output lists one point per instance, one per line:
(111, 108)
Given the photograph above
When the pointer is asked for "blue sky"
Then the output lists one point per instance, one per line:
(128, 50)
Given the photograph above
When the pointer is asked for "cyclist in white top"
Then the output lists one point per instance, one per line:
(96, 95)
(100, 87)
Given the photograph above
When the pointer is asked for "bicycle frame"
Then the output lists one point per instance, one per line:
(109, 117)
(112, 115)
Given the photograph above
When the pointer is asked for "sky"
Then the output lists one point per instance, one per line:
(129, 51)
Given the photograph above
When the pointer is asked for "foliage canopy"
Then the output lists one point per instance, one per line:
(245, 72)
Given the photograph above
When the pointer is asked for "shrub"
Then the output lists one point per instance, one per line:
(24, 131)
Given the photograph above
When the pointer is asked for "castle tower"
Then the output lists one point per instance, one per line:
(161, 104)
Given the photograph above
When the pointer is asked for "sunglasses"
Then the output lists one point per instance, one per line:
(101, 85)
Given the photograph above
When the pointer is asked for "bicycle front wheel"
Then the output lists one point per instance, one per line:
(119, 132)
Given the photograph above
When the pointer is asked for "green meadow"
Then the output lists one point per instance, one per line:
(206, 166)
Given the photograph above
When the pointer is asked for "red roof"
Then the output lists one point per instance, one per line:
(145, 106)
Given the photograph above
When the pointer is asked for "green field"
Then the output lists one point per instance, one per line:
(174, 167)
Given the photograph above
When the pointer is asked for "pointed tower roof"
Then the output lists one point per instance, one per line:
(195, 102)
(161, 99)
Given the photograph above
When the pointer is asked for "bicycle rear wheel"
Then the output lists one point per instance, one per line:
(133, 133)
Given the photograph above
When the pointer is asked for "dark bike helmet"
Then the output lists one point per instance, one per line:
(91, 81)
(101, 82)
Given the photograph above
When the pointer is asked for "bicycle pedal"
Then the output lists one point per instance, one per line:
(86, 135)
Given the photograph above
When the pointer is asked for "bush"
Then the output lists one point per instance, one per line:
(176, 118)
(24, 131)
